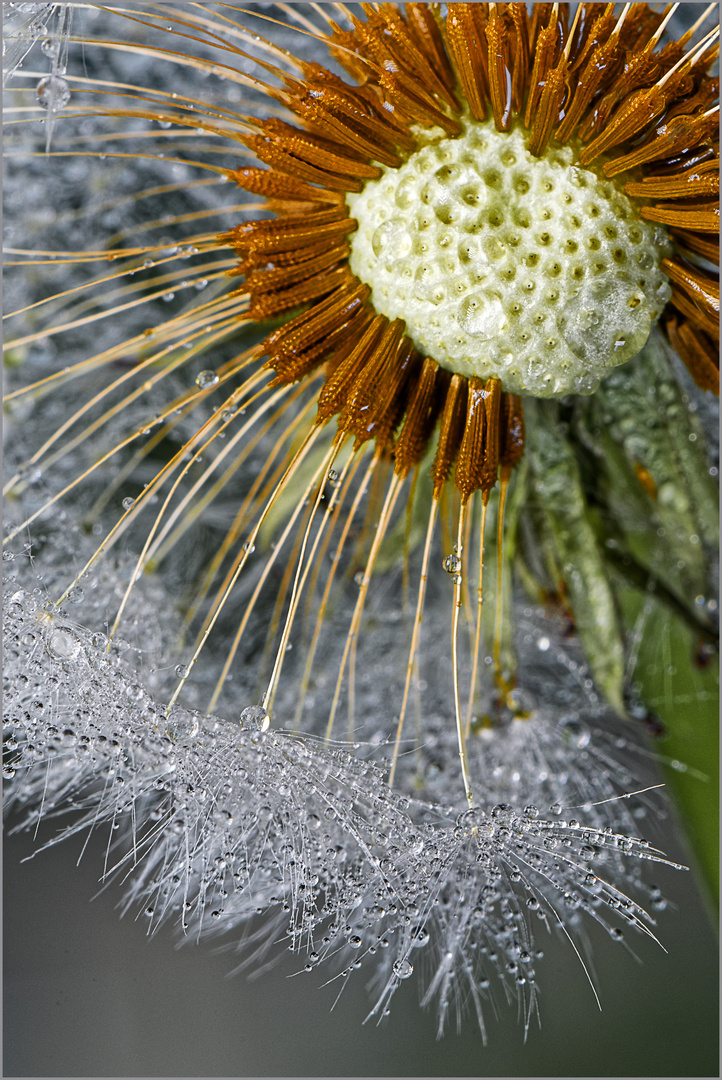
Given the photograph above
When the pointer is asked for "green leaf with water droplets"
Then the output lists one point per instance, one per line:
(650, 472)
(571, 549)
(656, 510)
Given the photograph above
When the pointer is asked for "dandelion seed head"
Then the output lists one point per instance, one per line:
(533, 270)
(229, 686)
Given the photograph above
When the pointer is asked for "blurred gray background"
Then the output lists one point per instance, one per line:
(89, 994)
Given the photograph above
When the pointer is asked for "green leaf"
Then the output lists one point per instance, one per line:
(651, 472)
(684, 695)
(571, 548)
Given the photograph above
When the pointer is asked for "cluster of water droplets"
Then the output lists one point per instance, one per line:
(50, 24)
(294, 843)
(23, 25)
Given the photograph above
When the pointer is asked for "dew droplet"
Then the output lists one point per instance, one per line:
(482, 315)
(206, 379)
(403, 969)
(452, 564)
(180, 723)
(254, 718)
(391, 240)
(53, 92)
(63, 644)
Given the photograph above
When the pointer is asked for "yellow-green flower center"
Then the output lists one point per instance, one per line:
(501, 264)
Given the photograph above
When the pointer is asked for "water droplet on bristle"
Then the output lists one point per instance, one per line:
(63, 644)
(254, 718)
(53, 92)
(403, 969)
(206, 379)
(452, 564)
(181, 724)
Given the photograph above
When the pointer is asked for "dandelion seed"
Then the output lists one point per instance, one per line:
(492, 214)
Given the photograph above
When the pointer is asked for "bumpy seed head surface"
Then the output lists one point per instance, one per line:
(530, 269)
